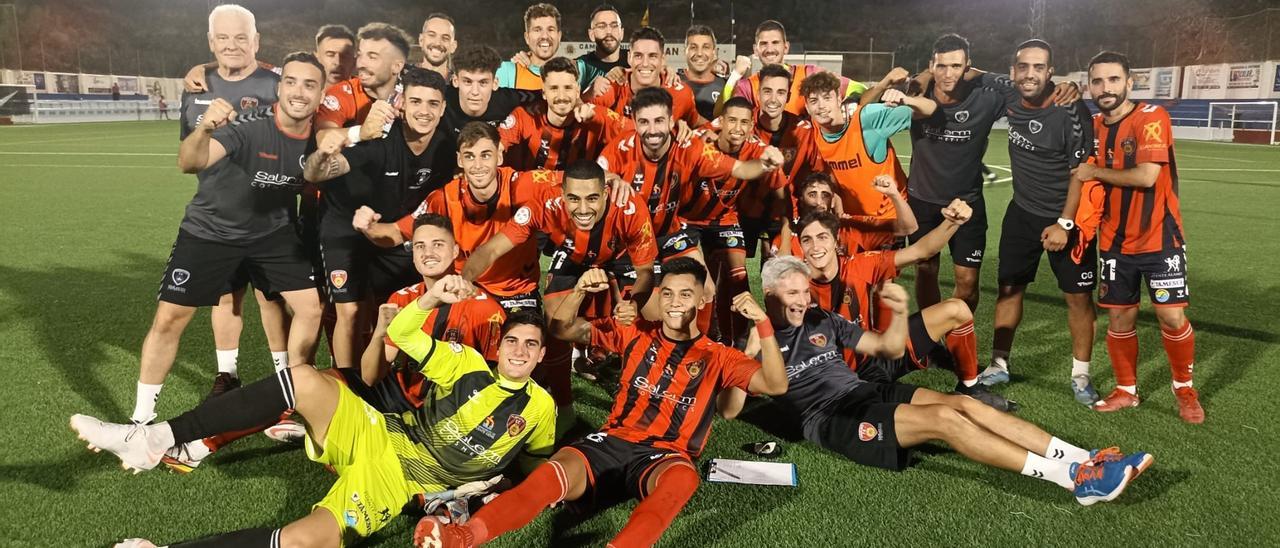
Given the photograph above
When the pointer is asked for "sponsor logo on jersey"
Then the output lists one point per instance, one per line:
(180, 276)
(515, 425)
(330, 102)
(1173, 264)
(1168, 284)
(338, 278)
(867, 432)
(1162, 295)
(509, 122)
(653, 391)
(350, 518)
(1153, 132)
(522, 215)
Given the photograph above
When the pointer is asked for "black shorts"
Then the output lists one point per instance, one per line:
(680, 242)
(969, 242)
(617, 469)
(720, 237)
(524, 301)
(1165, 274)
(200, 271)
(920, 349)
(860, 425)
(753, 229)
(357, 270)
(1020, 250)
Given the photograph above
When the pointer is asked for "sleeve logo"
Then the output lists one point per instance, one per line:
(522, 215)
(330, 102)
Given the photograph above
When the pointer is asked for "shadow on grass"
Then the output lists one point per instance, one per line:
(61, 474)
(76, 313)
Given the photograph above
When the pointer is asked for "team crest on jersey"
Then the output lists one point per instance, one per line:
(1128, 145)
(867, 432)
(509, 122)
(819, 340)
(1102, 290)
(1035, 126)
(696, 368)
(961, 116)
(180, 276)
(453, 335)
(515, 425)
(247, 103)
(338, 278)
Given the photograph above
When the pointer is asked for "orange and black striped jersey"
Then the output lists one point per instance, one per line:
(475, 322)
(620, 232)
(657, 183)
(849, 294)
(1139, 220)
(669, 387)
(618, 99)
(530, 141)
(718, 201)
(345, 104)
(793, 138)
(474, 223)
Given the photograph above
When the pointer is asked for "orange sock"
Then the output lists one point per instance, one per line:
(513, 509)
(1180, 346)
(1123, 349)
(655, 513)
(963, 344)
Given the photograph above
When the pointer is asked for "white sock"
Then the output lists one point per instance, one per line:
(1177, 385)
(1079, 367)
(280, 359)
(1065, 452)
(227, 361)
(1000, 358)
(1049, 470)
(577, 353)
(970, 383)
(1130, 389)
(144, 404)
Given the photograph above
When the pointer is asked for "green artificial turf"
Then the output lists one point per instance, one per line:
(88, 213)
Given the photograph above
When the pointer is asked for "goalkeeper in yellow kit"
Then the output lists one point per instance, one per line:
(475, 423)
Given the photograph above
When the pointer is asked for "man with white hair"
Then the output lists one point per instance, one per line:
(237, 78)
(876, 423)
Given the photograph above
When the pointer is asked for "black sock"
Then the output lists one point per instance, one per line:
(251, 405)
(245, 537)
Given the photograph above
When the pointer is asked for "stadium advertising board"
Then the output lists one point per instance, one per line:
(1229, 81)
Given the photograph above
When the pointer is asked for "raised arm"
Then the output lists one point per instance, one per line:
(365, 221)
(564, 321)
(769, 160)
(327, 162)
(375, 363)
(483, 257)
(954, 215)
(200, 150)
(904, 222)
(771, 379)
(892, 342)
(896, 77)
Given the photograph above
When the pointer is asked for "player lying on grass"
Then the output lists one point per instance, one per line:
(475, 321)
(672, 377)
(877, 423)
(940, 335)
(478, 422)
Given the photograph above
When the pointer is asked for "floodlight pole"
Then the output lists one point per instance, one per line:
(16, 33)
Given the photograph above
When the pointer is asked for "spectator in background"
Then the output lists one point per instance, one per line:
(115, 91)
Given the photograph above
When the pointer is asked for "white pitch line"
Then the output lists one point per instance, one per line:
(88, 167)
(1218, 158)
(1001, 168)
(1234, 169)
(8, 153)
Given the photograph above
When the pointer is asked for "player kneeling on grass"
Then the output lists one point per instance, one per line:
(672, 377)
(478, 422)
(876, 423)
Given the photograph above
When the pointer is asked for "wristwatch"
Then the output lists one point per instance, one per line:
(1066, 224)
